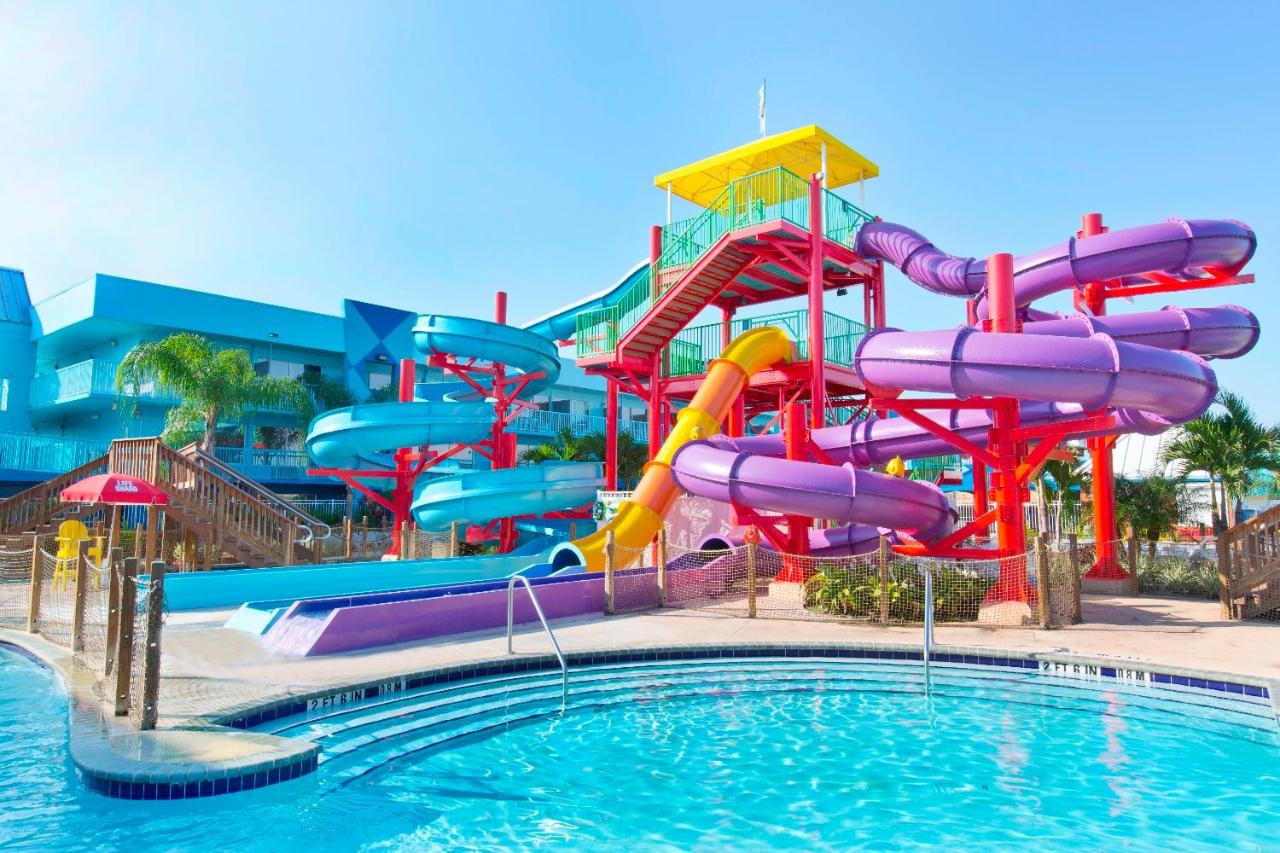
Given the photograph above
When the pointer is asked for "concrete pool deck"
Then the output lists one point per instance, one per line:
(212, 676)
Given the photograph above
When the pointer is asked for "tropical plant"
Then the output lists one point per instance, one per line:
(856, 591)
(1152, 507)
(632, 455)
(593, 447)
(565, 447)
(1232, 445)
(215, 386)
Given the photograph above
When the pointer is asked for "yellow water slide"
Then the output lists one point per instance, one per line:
(638, 519)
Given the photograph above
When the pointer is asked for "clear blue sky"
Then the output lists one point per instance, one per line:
(425, 155)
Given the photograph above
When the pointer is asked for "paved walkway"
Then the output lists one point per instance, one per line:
(207, 668)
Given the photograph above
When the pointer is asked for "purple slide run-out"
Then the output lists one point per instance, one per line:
(1150, 368)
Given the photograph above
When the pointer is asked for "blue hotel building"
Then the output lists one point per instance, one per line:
(58, 358)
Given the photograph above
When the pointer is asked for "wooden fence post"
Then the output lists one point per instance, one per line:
(290, 537)
(1074, 555)
(1223, 547)
(662, 566)
(1133, 562)
(1044, 591)
(413, 541)
(115, 562)
(404, 540)
(124, 639)
(37, 584)
(347, 533)
(150, 711)
(81, 587)
(882, 561)
(149, 549)
(752, 549)
(608, 572)
(453, 539)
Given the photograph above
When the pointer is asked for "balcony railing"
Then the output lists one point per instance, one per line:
(692, 349)
(263, 464)
(542, 422)
(97, 377)
(771, 195)
(26, 451)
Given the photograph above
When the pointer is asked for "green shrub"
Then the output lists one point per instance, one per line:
(856, 592)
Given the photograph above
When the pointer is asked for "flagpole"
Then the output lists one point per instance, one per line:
(763, 86)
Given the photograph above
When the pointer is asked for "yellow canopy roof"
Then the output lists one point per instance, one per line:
(799, 150)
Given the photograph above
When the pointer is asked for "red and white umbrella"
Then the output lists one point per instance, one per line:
(118, 489)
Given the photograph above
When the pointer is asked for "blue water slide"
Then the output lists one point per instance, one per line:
(562, 323)
(366, 436)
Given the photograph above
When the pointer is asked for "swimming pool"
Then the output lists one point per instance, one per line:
(741, 753)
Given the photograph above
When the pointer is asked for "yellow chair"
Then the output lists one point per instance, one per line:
(70, 534)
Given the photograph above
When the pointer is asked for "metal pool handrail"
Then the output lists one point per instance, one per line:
(928, 626)
(537, 608)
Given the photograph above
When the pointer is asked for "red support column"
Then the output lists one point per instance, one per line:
(657, 413)
(979, 494)
(402, 491)
(796, 440)
(817, 348)
(1106, 566)
(1011, 536)
(735, 424)
(611, 434)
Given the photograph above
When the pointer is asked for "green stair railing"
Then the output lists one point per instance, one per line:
(930, 468)
(767, 196)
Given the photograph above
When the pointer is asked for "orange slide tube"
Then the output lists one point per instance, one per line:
(639, 518)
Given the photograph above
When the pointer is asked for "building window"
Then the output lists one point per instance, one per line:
(282, 368)
(379, 376)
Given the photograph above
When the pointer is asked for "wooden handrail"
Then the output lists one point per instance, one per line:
(1249, 565)
(316, 529)
(33, 507)
(232, 511)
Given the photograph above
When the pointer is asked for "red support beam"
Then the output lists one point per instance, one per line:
(817, 340)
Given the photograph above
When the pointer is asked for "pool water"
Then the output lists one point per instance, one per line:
(764, 754)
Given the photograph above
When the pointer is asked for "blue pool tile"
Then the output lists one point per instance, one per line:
(220, 785)
(1232, 687)
(206, 788)
(1253, 690)
(1198, 683)
(191, 790)
(1180, 680)
(1109, 672)
(1217, 685)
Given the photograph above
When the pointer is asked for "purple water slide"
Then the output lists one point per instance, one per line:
(1227, 331)
(875, 441)
(1178, 247)
(1163, 386)
(721, 471)
(849, 541)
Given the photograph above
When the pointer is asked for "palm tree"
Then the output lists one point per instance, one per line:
(213, 385)
(1200, 445)
(1231, 445)
(1070, 481)
(565, 447)
(632, 455)
(1252, 447)
(1152, 507)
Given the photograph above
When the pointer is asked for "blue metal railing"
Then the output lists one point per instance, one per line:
(97, 376)
(544, 422)
(28, 451)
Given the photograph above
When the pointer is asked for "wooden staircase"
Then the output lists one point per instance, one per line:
(239, 522)
(692, 289)
(42, 504)
(1249, 567)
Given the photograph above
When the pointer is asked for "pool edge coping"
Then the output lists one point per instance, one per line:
(97, 743)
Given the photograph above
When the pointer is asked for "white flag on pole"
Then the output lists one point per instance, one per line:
(762, 87)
